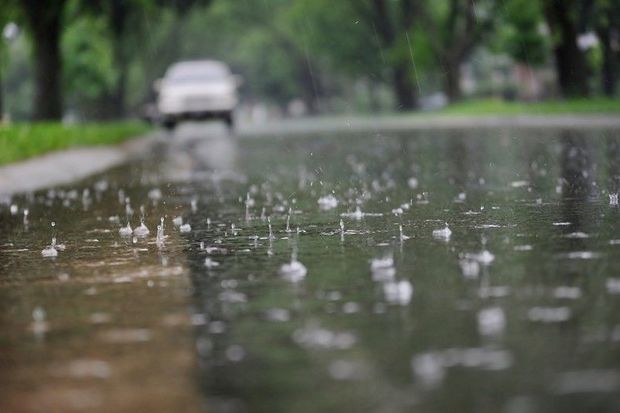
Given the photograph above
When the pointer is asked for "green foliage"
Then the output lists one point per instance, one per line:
(500, 107)
(21, 141)
(337, 32)
(520, 35)
(284, 49)
(89, 70)
(16, 77)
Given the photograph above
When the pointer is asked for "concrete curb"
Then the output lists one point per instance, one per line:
(398, 123)
(63, 167)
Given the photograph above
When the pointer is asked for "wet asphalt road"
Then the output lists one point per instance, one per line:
(515, 308)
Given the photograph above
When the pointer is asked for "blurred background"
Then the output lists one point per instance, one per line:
(97, 59)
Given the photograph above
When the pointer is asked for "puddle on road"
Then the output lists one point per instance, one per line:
(448, 271)
(102, 325)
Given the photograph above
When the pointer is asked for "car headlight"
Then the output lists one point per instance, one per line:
(169, 102)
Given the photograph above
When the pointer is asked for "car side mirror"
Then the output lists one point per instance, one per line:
(157, 85)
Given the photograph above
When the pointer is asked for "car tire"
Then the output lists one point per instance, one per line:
(229, 120)
(169, 124)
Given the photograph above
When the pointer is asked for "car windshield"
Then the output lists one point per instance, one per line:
(192, 73)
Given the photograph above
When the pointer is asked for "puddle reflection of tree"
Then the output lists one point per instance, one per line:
(612, 144)
(578, 175)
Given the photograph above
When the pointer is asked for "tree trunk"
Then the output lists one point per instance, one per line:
(387, 29)
(118, 25)
(373, 97)
(45, 23)
(571, 67)
(403, 89)
(452, 82)
(310, 85)
(118, 94)
(609, 71)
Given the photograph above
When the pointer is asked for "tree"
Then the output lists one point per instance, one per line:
(393, 25)
(3, 21)
(119, 13)
(455, 28)
(89, 70)
(605, 21)
(125, 14)
(126, 23)
(570, 62)
(268, 41)
(44, 21)
(344, 44)
(519, 32)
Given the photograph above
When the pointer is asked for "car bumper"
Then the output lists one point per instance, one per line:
(195, 106)
(196, 115)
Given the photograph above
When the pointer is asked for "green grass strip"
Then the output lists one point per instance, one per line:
(555, 107)
(25, 140)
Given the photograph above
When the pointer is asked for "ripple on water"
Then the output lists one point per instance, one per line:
(431, 368)
(442, 234)
(549, 314)
(488, 226)
(577, 235)
(398, 292)
(348, 370)
(327, 202)
(210, 263)
(126, 335)
(566, 292)
(470, 268)
(83, 369)
(293, 271)
(587, 381)
(498, 291)
(613, 285)
(380, 263)
(580, 255)
(277, 314)
(491, 321)
(313, 336)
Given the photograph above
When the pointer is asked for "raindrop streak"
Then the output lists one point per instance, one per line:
(402, 236)
(415, 70)
(270, 229)
(288, 221)
(52, 249)
(160, 233)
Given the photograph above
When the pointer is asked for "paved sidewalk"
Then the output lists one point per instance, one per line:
(67, 166)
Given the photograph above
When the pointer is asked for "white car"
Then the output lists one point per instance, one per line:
(203, 89)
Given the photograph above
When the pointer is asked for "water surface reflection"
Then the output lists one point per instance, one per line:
(516, 310)
(530, 326)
